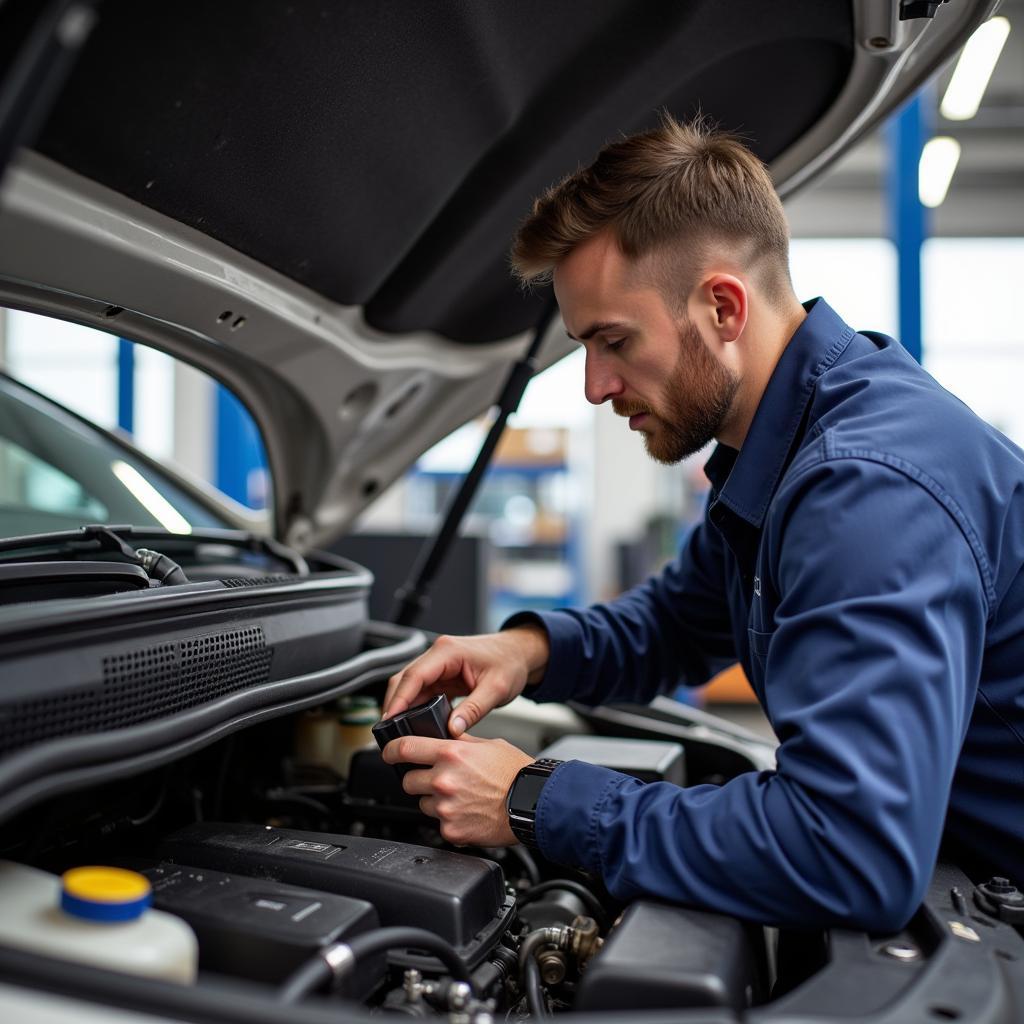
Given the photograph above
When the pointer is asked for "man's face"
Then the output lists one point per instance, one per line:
(648, 360)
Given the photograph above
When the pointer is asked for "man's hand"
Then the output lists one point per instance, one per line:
(465, 785)
(492, 668)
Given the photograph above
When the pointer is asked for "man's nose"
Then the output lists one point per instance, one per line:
(601, 382)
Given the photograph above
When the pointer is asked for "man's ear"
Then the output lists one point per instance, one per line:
(724, 299)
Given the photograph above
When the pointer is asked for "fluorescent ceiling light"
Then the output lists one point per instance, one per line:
(150, 498)
(974, 69)
(938, 162)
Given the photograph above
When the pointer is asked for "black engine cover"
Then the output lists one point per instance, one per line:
(460, 898)
(662, 957)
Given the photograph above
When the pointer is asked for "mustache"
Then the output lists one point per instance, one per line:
(624, 407)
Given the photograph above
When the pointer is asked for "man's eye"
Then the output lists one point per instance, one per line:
(613, 344)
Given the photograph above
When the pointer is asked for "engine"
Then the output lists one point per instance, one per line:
(319, 879)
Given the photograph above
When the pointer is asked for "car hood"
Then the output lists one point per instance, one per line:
(314, 202)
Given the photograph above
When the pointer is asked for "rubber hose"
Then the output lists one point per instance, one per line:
(534, 993)
(381, 940)
(529, 865)
(303, 980)
(161, 568)
(315, 972)
(588, 899)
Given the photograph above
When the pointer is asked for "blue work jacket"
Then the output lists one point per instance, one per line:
(861, 557)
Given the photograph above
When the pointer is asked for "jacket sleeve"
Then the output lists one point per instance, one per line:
(674, 628)
(870, 676)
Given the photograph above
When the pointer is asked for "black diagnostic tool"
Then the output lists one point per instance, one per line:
(430, 719)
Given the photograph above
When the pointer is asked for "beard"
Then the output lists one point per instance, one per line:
(697, 399)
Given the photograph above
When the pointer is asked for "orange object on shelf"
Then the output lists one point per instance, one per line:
(533, 446)
(730, 687)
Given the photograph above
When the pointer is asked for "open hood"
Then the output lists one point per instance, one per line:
(313, 202)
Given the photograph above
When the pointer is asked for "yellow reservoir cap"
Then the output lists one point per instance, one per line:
(106, 885)
(104, 894)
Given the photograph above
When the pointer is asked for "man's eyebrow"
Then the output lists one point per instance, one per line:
(597, 328)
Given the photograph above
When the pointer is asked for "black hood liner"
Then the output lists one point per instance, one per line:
(382, 152)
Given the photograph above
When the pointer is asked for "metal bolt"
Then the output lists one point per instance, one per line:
(412, 982)
(585, 939)
(459, 994)
(552, 966)
(956, 897)
(907, 954)
(879, 42)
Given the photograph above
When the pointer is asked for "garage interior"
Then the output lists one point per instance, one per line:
(202, 627)
(571, 511)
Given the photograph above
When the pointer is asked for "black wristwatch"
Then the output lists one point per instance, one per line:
(523, 797)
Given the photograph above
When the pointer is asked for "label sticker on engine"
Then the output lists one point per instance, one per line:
(305, 847)
(265, 904)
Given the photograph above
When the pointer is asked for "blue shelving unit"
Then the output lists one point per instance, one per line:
(513, 550)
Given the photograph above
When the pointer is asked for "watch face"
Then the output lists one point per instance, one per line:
(527, 793)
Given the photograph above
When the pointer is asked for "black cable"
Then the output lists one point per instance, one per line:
(284, 796)
(155, 809)
(316, 972)
(521, 854)
(502, 964)
(589, 900)
(534, 992)
(487, 975)
(313, 974)
(382, 939)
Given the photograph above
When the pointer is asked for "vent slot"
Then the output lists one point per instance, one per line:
(257, 581)
(139, 686)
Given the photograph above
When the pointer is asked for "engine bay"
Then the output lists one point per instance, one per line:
(286, 873)
(302, 866)
(309, 880)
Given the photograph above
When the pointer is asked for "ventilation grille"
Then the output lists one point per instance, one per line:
(139, 686)
(257, 581)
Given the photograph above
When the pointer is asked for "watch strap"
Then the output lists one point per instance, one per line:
(523, 821)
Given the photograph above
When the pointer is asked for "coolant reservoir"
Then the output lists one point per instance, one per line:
(94, 915)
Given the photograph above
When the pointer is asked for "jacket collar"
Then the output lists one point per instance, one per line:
(745, 481)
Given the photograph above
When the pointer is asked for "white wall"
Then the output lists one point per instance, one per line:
(77, 366)
(973, 331)
(856, 276)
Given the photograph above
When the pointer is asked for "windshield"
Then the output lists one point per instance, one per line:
(58, 473)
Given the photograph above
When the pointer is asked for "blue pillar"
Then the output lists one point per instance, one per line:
(906, 133)
(239, 450)
(126, 385)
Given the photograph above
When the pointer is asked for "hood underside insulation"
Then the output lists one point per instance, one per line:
(382, 153)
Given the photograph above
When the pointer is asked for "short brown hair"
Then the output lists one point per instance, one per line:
(678, 184)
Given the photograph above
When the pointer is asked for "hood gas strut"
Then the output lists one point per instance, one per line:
(31, 83)
(413, 598)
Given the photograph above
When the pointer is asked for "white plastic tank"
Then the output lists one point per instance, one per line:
(94, 915)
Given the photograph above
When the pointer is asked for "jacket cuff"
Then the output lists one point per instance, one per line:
(569, 812)
(559, 681)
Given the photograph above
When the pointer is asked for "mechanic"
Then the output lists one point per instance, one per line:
(860, 555)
